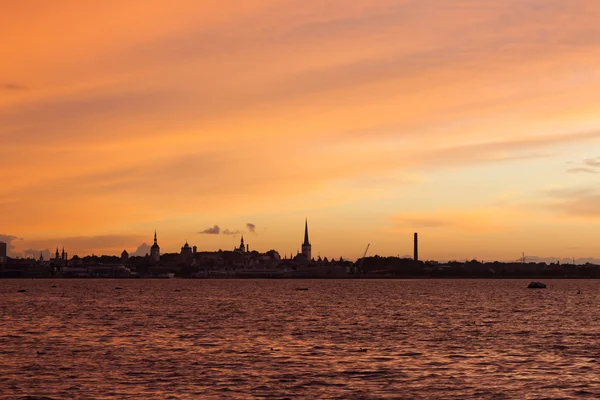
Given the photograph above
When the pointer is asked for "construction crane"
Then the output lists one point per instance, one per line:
(363, 258)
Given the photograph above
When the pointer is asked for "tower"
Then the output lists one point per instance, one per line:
(242, 248)
(416, 256)
(155, 250)
(306, 247)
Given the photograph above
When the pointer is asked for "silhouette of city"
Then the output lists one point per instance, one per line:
(241, 262)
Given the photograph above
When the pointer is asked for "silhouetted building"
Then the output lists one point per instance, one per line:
(155, 250)
(2, 253)
(124, 257)
(60, 259)
(186, 251)
(306, 247)
(242, 248)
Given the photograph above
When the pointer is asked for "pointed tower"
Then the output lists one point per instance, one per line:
(242, 247)
(57, 255)
(306, 247)
(155, 250)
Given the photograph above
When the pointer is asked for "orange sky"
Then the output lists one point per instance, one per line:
(473, 122)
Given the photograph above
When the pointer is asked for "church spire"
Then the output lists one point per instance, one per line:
(306, 241)
(155, 241)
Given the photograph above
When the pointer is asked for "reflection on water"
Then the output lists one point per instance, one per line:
(262, 338)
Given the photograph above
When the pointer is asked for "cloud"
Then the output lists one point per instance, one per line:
(35, 253)
(215, 230)
(474, 221)
(84, 245)
(8, 239)
(578, 202)
(589, 166)
(417, 221)
(251, 227)
(142, 250)
(580, 170)
(12, 86)
(592, 162)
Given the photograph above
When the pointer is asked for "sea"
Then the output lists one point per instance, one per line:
(299, 339)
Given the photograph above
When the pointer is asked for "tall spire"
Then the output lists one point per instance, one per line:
(306, 242)
(155, 241)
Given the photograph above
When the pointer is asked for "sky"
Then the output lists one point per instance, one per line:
(473, 122)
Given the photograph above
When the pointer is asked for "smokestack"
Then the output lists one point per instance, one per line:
(416, 256)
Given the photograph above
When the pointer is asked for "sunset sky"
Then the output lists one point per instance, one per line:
(473, 122)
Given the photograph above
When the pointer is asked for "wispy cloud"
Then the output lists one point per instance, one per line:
(12, 86)
(588, 166)
(582, 202)
(592, 162)
(251, 227)
(473, 221)
(230, 232)
(582, 170)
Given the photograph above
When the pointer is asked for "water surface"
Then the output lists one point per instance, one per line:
(364, 339)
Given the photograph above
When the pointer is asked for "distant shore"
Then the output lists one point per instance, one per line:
(546, 278)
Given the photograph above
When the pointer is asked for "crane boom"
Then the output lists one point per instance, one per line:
(363, 258)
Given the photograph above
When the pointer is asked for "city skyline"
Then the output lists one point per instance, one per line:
(154, 251)
(474, 124)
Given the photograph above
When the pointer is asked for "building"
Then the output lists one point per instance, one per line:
(124, 257)
(155, 250)
(2, 253)
(187, 252)
(243, 248)
(60, 259)
(306, 247)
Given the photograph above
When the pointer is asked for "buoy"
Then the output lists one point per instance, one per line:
(536, 285)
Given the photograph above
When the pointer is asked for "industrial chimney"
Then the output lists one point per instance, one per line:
(416, 256)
